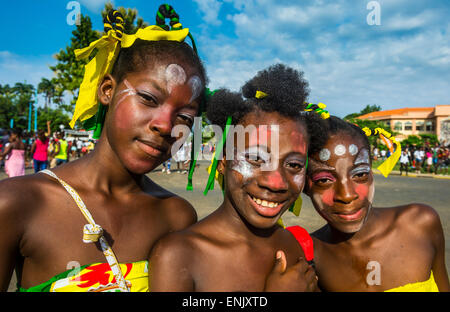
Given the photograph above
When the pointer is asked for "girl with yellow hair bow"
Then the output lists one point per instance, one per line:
(370, 249)
(137, 88)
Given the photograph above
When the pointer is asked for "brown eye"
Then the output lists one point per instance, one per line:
(147, 99)
(254, 159)
(186, 119)
(295, 166)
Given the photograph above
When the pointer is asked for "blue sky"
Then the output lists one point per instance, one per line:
(403, 62)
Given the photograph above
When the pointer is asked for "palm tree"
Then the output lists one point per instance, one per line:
(47, 88)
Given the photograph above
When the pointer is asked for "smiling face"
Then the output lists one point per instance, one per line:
(262, 184)
(144, 108)
(340, 182)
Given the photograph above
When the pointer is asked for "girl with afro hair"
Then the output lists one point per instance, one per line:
(241, 246)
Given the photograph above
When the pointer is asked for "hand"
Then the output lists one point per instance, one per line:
(299, 277)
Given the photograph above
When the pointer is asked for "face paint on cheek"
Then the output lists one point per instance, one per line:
(175, 75)
(362, 190)
(299, 180)
(126, 92)
(328, 197)
(243, 167)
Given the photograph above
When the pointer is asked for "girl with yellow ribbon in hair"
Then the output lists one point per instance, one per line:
(363, 248)
(241, 246)
(90, 224)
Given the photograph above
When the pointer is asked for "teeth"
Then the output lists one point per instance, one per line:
(265, 203)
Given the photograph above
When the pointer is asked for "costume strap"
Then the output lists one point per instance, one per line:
(93, 232)
(387, 166)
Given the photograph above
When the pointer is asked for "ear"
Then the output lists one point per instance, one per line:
(106, 89)
(221, 164)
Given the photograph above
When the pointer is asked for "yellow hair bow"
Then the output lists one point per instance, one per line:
(108, 47)
(260, 94)
(387, 166)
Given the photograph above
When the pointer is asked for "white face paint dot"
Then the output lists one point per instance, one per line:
(324, 154)
(175, 75)
(196, 87)
(339, 150)
(353, 149)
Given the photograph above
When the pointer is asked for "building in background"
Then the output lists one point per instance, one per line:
(416, 121)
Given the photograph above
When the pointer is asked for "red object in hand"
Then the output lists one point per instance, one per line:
(304, 239)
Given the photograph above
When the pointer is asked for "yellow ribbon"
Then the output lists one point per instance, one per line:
(108, 47)
(260, 94)
(218, 176)
(389, 164)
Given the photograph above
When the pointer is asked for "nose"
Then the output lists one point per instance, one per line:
(345, 192)
(274, 181)
(162, 120)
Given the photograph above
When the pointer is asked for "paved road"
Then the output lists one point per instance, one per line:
(393, 191)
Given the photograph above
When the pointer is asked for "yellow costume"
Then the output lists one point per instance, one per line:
(426, 286)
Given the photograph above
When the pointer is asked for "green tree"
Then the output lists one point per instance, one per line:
(366, 110)
(8, 110)
(68, 70)
(370, 109)
(47, 88)
(56, 116)
(412, 140)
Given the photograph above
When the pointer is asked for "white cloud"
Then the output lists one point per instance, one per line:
(348, 63)
(94, 5)
(210, 11)
(15, 68)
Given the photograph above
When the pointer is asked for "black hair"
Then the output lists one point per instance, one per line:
(286, 92)
(337, 125)
(17, 131)
(143, 54)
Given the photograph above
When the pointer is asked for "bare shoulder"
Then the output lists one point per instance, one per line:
(19, 195)
(417, 218)
(420, 215)
(178, 212)
(175, 249)
(20, 199)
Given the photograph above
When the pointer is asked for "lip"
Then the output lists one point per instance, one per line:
(266, 211)
(351, 216)
(151, 148)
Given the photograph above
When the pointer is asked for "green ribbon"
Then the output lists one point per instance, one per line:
(219, 148)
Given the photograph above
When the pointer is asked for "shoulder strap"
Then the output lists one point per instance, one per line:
(93, 232)
(304, 239)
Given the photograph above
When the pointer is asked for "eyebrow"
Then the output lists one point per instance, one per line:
(321, 165)
(153, 83)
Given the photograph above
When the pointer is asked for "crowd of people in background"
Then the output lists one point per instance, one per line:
(41, 150)
(433, 159)
(183, 156)
(44, 150)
